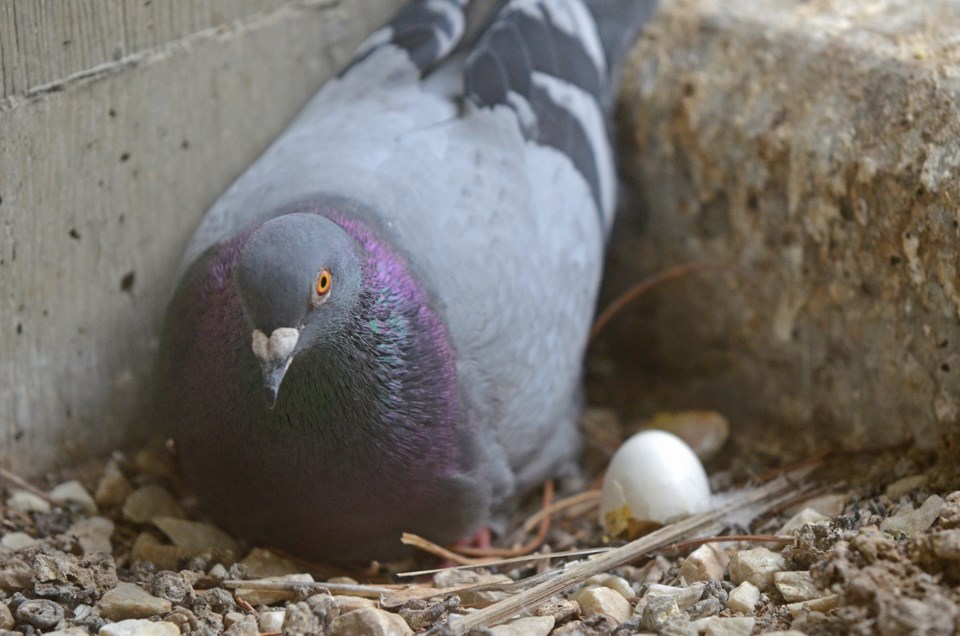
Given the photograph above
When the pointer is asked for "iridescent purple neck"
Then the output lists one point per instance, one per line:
(392, 372)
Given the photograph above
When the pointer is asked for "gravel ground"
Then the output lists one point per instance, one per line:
(117, 546)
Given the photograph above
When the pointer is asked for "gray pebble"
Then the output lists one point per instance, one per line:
(171, 586)
(40, 613)
(324, 607)
(217, 600)
(300, 619)
(6, 617)
(658, 611)
(706, 607)
(182, 618)
(246, 626)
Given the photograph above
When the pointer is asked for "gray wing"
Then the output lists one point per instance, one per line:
(426, 30)
(377, 97)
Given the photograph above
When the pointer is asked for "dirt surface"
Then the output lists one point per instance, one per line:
(125, 543)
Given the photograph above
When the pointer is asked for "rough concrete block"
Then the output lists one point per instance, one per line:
(106, 165)
(815, 146)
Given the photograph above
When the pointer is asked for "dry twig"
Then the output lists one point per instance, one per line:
(649, 283)
(464, 555)
(416, 541)
(311, 586)
(587, 496)
(23, 484)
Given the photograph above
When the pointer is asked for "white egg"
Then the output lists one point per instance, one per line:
(653, 476)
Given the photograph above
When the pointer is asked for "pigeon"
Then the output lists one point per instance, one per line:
(380, 326)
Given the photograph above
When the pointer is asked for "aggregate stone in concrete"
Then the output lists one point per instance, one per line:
(812, 146)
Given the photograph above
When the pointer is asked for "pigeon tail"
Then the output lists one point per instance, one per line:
(548, 62)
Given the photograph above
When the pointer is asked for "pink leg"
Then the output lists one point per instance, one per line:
(481, 539)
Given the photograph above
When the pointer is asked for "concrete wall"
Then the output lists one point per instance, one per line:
(120, 123)
(816, 146)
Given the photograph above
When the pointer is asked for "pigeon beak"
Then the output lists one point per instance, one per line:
(272, 377)
(274, 355)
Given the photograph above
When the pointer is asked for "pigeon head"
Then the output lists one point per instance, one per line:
(298, 278)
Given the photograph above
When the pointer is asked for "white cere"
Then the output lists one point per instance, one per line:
(278, 346)
(654, 476)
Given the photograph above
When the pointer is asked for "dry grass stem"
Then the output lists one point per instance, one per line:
(615, 307)
(586, 497)
(22, 484)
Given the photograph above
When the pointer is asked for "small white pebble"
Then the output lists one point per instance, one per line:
(903, 486)
(655, 611)
(140, 627)
(17, 540)
(24, 501)
(113, 488)
(527, 626)
(369, 621)
(73, 492)
(911, 522)
(194, 537)
(130, 601)
(272, 620)
(6, 617)
(261, 563)
(614, 582)
(824, 604)
(93, 534)
(743, 598)
(802, 518)
(756, 565)
(733, 626)
(346, 603)
(603, 600)
(230, 618)
(684, 596)
(560, 609)
(829, 505)
(147, 547)
(706, 563)
(796, 586)
(343, 580)
(150, 501)
(218, 571)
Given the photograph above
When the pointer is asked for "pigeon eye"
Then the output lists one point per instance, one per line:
(324, 280)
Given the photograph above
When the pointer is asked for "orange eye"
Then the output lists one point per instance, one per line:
(324, 280)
